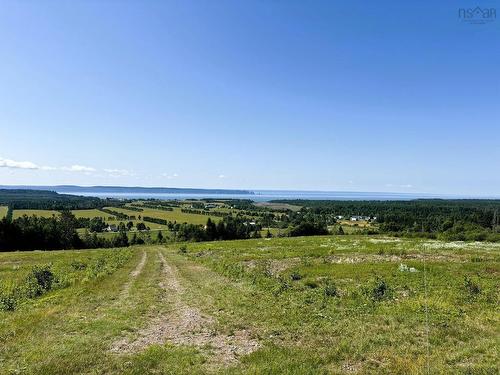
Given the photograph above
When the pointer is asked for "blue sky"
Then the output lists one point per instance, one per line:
(361, 96)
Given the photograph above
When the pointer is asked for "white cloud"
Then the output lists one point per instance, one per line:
(170, 176)
(13, 164)
(222, 176)
(78, 168)
(7, 163)
(113, 172)
(407, 186)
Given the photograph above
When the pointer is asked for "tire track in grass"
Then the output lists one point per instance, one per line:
(133, 275)
(187, 325)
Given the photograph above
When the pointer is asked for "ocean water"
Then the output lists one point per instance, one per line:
(264, 195)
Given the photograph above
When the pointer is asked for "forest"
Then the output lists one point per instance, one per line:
(460, 219)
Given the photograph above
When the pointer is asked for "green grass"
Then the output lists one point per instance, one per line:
(175, 215)
(90, 214)
(42, 213)
(3, 211)
(329, 304)
(96, 213)
(151, 234)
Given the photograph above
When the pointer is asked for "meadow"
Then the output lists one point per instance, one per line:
(304, 305)
(174, 215)
(29, 212)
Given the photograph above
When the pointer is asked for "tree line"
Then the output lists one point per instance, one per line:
(458, 219)
(58, 232)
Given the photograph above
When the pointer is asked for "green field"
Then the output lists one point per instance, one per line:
(3, 211)
(305, 305)
(90, 214)
(96, 213)
(42, 213)
(175, 215)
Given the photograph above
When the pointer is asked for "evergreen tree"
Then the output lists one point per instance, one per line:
(159, 238)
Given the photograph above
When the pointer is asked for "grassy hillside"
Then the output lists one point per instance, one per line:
(301, 305)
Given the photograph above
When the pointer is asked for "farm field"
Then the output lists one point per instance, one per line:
(305, 305)
(90, 214)
(42, 213)
(3, 211)
(175, 215)
(96, 213)
(278, 206)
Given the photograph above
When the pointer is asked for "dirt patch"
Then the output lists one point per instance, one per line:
(133, 275)
(273, 266)
(375, 258)
(187, 325)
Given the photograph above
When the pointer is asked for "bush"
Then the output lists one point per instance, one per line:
(330, 289)
(311, 284)
(282, 286)
(183, 249)
(39, 281)
(472, 287)
(295, 276)
(377, 290)
(7, 298)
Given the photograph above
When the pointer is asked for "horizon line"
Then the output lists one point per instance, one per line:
(255, 191)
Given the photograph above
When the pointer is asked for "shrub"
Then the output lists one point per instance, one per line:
(295, 276)
(39, 281)
(7, 298)
(377, 290)
(282, 286)
(311, 284)
(330, 289)
(183, 249)
(472, 287)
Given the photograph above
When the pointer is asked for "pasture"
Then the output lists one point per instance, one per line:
(305, 305)
(175, 215)
(41, 213)
(3, 211)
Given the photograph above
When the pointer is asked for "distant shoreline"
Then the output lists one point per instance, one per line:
(124, 192)
(72, 189)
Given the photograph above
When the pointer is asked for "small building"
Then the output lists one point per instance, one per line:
(112, 228)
